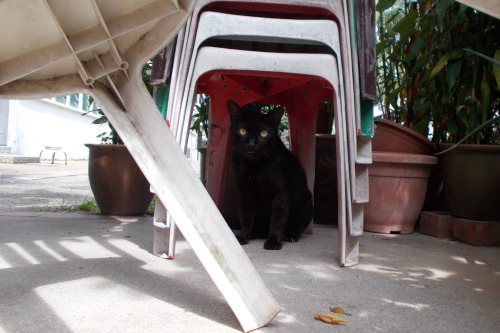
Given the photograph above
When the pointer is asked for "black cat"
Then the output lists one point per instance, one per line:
(274, 200)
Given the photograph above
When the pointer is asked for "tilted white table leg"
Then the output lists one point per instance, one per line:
(165, 166)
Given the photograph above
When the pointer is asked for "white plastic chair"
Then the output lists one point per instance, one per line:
(342, 12)
(359, 147)
(210, 59)
(309, 32)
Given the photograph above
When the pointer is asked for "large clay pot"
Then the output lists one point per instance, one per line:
(397, 185)
(391, 136)
(471, 176)
(118, 185)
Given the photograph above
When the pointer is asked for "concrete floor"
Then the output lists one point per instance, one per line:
(69, 272)
(43, 186)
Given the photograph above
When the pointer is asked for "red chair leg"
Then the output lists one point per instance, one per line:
(218, 150)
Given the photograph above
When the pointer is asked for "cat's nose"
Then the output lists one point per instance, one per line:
(251, 144)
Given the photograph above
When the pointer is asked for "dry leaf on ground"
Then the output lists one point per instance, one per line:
(339, 310)
(329, 318)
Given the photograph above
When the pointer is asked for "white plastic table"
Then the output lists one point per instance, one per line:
(56, 48)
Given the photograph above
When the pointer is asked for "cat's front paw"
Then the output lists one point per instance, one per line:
(242, 240)
(272, 244)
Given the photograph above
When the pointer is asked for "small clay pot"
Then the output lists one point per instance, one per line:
(397, 185)
(391, 136)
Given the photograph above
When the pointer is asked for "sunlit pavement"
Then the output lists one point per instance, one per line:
(80, 272)
(62, 272)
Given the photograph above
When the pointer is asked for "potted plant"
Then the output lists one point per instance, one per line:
(439, 75)
(398, 176)
(434, 70)
(118, 185)
(463, 68)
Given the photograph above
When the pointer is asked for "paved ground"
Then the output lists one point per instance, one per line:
(43, 186)
(68, 272)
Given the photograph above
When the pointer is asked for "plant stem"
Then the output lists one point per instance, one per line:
(480, 127)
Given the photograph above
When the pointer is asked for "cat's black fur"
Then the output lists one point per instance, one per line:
(274, 200)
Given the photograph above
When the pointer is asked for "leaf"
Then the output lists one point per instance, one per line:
(439, 66)
(485, 100)
(406, 25)
(441, 8)
(384, 4)
(452, 73)
(339, 310)
(100, 120)
(463, 8)
(452, 127)
(496, 69)
(422, 61)
(417, 46)
(389, 21)
(421, 104)
(474, 119)
(381, 46)
(494, 61)
(462, 114)
(329, 318)
(457, 54)
(421, 126)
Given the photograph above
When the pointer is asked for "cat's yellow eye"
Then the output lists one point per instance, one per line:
(263, 134)
(243, 131)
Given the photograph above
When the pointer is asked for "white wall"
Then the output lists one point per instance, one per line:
(34, 124)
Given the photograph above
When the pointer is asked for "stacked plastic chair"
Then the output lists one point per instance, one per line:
(293, 53)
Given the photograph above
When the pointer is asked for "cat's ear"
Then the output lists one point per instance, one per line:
(234, 109)
(276, 114)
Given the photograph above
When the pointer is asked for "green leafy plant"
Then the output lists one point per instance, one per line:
(151, 208)
(200, 123)
(110, 136)
(438, 69)
(88, 205)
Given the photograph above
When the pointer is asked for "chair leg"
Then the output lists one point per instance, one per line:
(303, 138)
(218, 154)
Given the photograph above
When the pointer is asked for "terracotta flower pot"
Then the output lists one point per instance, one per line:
(391, 136)
(471, 176)
(118, 185)
(397, 185)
